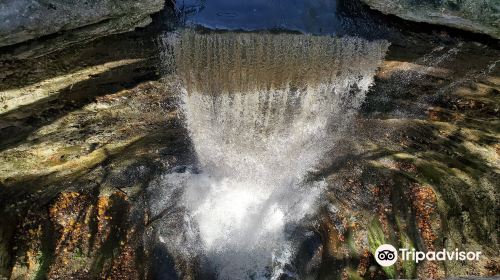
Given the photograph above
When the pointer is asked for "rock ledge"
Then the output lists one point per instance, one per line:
(470, 15)
(64, 22)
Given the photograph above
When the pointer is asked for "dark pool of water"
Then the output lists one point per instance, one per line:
(317, 17)
(321, 17)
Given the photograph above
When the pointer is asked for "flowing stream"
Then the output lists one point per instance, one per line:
(262, 110)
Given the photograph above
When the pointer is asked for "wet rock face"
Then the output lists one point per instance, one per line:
(90, 226)
(470, 15)
(73, 21)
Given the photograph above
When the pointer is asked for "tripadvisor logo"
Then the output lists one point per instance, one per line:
(387, 255)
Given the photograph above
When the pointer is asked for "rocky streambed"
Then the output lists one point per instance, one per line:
(86, 133)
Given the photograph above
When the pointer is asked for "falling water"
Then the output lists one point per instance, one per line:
(262, 110)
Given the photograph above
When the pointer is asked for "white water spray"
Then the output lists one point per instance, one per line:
(262, 110)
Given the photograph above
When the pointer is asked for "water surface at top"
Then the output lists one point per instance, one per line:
(315, 17)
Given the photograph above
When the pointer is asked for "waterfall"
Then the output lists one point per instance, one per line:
(262, 110)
